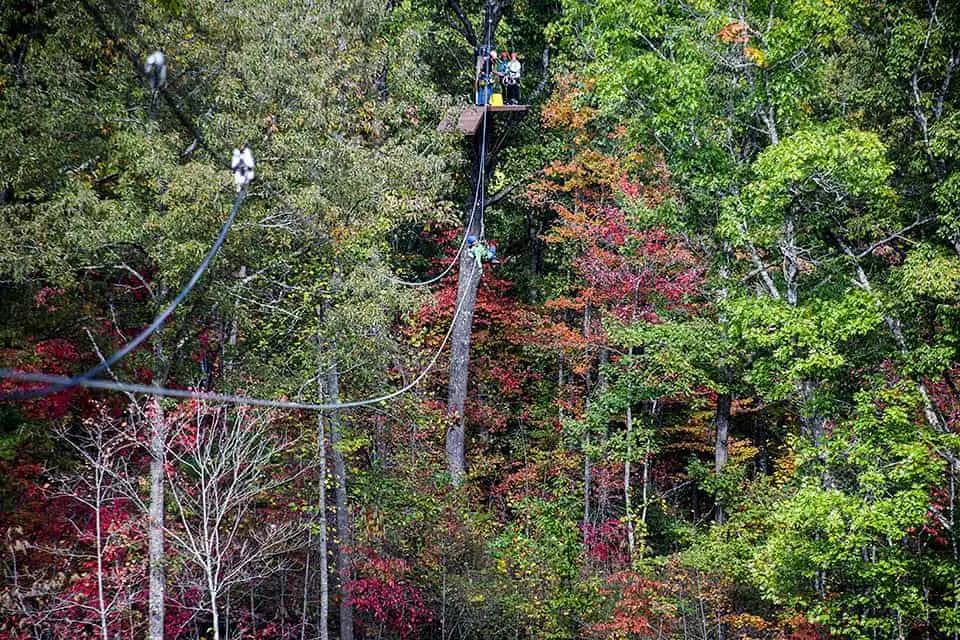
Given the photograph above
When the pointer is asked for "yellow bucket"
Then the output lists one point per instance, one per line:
(496, 100)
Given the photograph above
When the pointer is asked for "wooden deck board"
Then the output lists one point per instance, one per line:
(466, 120)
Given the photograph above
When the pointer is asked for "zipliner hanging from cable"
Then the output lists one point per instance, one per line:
(481, 251)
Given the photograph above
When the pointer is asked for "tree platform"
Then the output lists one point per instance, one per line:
(466, 120)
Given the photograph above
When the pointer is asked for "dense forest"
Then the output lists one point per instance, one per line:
(708, 388)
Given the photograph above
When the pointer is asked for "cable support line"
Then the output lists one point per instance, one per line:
(482, 177)
(453, 261)
(62, 383)
(482, 174)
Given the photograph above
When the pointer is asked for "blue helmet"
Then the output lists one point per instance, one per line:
(471, 239)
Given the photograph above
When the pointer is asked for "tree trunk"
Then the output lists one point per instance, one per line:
(587, 480)
(587, 467)
(811, 423)
(791, 258)
(99, 477)
(469, 279)
(344, 541)
(158, 441)
(322, 516)
(646, 484)
(721, 449)
(603, 499)
(216, 615)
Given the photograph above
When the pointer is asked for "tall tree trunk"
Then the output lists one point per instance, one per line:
(603, 499)
(791, 256)
(158, 460)
(214, 605)
(469, 279)
(99, 478)
(811, 423)
(646, 484)
(322, 510)
(721, 448)
(344, 539)
(587, 467)
(725, 399)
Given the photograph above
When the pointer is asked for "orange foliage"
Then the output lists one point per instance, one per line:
(640, 611)
(565, 109)
(734, 32)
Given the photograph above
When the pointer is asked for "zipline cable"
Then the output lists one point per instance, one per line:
(482, 177)
(64, 382)
(453, 261)
(158, 321)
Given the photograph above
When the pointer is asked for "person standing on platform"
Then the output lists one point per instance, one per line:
(502, 74)
(486, 77)
(511, 79)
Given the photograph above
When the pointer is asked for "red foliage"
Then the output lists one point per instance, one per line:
(807, 631)
(635, 608)
(46, 297)
(620, 271)
(385, 591)
(605, 542)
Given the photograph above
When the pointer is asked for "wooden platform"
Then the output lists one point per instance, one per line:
(509, 107)
(467, 120)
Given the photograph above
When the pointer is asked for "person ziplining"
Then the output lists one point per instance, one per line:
(481, 252)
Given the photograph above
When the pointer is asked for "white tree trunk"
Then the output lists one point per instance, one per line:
(322, 523)
(158, 438)
(344, 538)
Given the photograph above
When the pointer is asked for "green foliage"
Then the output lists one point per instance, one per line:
(756, 203)
(838, 179)
(845, 526)
(812, 341)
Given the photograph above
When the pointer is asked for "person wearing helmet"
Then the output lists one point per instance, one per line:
(480, 251)
(502, 74)
(511, 79)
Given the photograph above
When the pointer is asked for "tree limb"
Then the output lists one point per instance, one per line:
(503, 193)
(467, 31)
(893, 236)
(544, 77)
